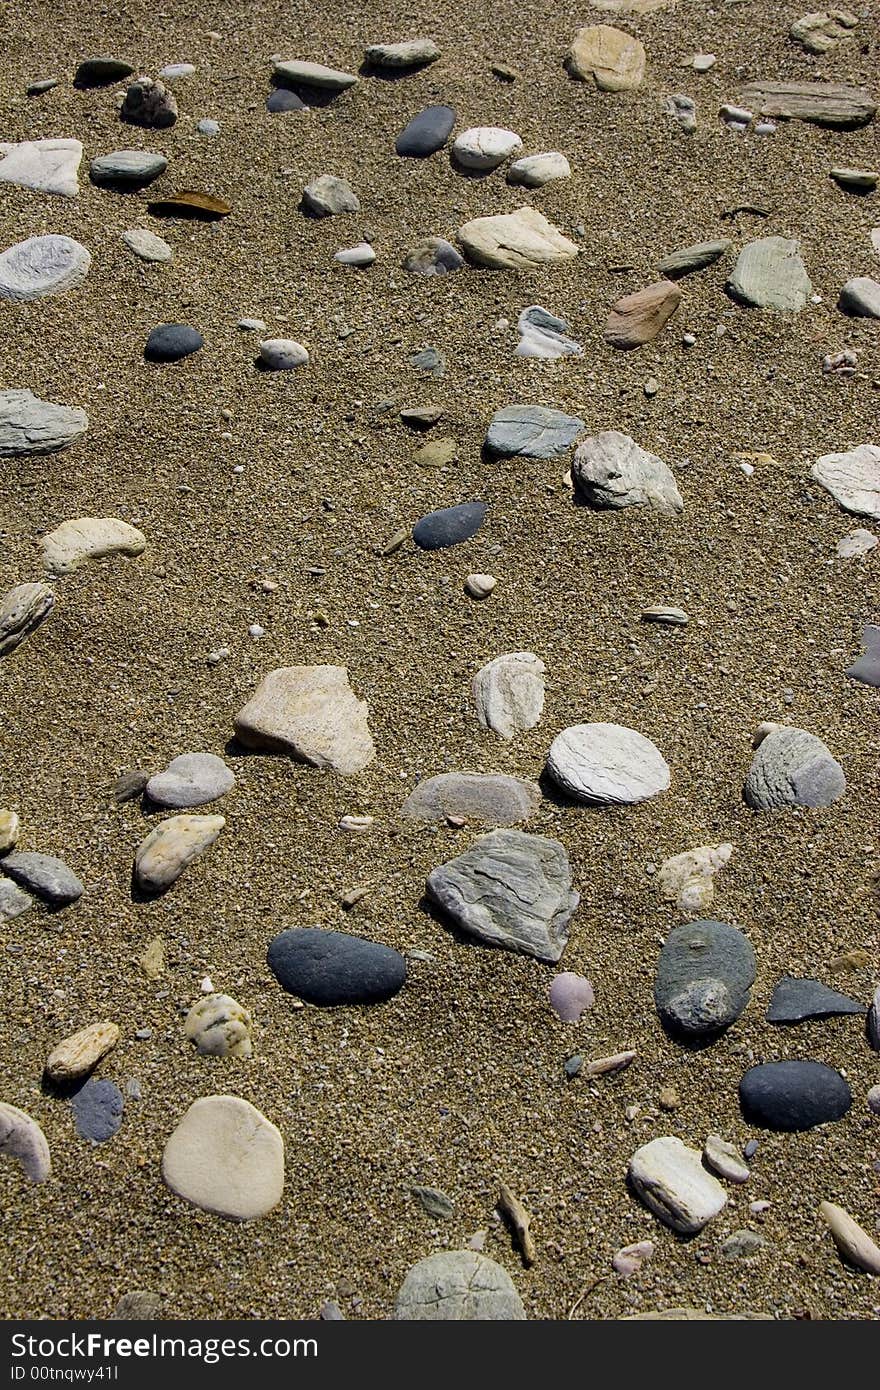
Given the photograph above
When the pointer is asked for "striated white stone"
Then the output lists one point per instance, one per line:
(856, 544)
(21, 612)
(853, 479)
(89, 538)
(312, 713)
(544, 335)
(47, 166)
(509, 693)
(42, 265)
(22, 1138)
(854, 1244)
(537, 169)
(724, 1159)
(611, 470)
(674, 1185)
(484, 147)
(519, 240)
(607, 764)
(31, 426)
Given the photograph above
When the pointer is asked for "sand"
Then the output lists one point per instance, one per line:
(458, 1082)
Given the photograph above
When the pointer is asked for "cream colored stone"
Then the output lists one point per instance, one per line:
(219, 1026)
(79, 1054)
(171, 846)
(672, 1182)
(312, 713)
(226, 1157)
(854, 1244)
(687, 879)
(613, 59)
(519, 240)
(9, 827)
(89, 538)
(152, 962)
(22, 1138)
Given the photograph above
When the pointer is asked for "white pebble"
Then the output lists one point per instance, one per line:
(256, 631)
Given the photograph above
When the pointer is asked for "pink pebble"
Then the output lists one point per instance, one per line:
(570, 994)
(874, 1099)
(630, 1259)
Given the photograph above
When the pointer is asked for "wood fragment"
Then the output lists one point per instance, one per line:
(519, 1218)
(584, 1293)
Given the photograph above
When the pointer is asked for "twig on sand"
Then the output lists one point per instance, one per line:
(584, 1293)
(513, 1208)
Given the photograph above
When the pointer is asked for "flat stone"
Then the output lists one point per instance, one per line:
(311, 713)
(31, 426)
(852, 478)
(172, 341)
(437, 453)
(329, 196)
(421, 417)
(860, 298)
(43, 85)
(79, 1054)
(794, 1000)
(855, 1245)
(856, 180)
(130, 785)
(855, 546)
(769, 274)
(723, 1158)
(824, 103)
(449, 525)
(360, 255)
(532, 431)
(485, 147)
(432, 256)
(174, 71)
(41, 266)
(691, 258)
(435, 1203)
(426, 133)
(629, 1260)
(147, 246)
(520, 240)
(793, 1095)
(611, 470)
(47, 166)
(614, 60)
(822, 30)
(21, 612)
(227, 1158)
(219, 1027)
(633, 7)
(332, 967)
(282, 354)
(683, 110)
(409, 54)
(704, 974)
(458, 1286)
(537, 169)
(303, 74)
(132, 167)
(283, 99)
(510, 889)
(743, 1245)
(638, 318)
(101, 72)
(665, 615)
(674, 1185)
(97, 1110)
(607, 765)
(13, 902)
(489, 798)
(793, 768)
(544, 335)
(23, 1139)
(148, 103)
(170, 847)
(71, 544)
(192, 779)
(688, 879)
(570, 996)
(429, 360)
(509, 693)
(45, 875)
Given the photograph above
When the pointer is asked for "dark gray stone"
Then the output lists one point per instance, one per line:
(872, 1027)
(793, 1095)
(283, 99)
(449, 526)
(172, 341)
(433, 256)
(795, 1000)
(866, 668)
(149, 104)
(331, 967)
(97, 1110)
(43, 874)
(793, 768)
(100, 72)
(704, 974)
(427, 132)
(129, 785)
(533, 431)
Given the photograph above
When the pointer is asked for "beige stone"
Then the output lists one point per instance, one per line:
(171, 846)
(219, 1026)
(9, 827)
(89, 538)
(78, 1055)
(639, 317)
(674, 1185)
(226, 1157)
(152, 962)
(854, 1244)
(613, 59)
(519, 240)
(687, 879)
(312, 713)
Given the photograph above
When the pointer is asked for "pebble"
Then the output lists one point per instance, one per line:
(638, 318)
(458, 1286)
(480, 586)
(449, 525)
(607, 765)
(428, 360)
(841, 364)
(510, 889)
(668, 1099)
(509, 693)
(702, 62)
(535, 170)
(855, 1245)
(13, 901)
(489, 798)
(170, 847)
(226, 1157)
(629, 1260)
(856, 180)
(793, 1095)
(152, 962)
(42, 265)
(282, 354)
(571, 995)
(705, 972)
(873, 1099)
(614, 60)
(860, 298)
(723, 1158)
(101, 72)
(485, 147)
(311, 713)
(97, 1110)
(148, 103)
(688, 879)
(84, 538)
(674, 1185)
(532, 431)
(409, 54)
(9, 829)
(129, 785)
(138, 1306)
(426, 133)
(872, 1030)
(219, 1027)
(47, 166)
(208, 127)
(133, 168)
(191, 779)
(176, 70)
(795, 1000)
(769, 274)
(421, 417)
(329, 196)
(45, 875)
(21, 612)
(822, 30)
(37, 89)
(360, 255)
(742, 1245)
(544, 335)
(307, 74)
(792, 768)
(432, 256)
(666, 616)
(832, 104)
(147, 246)
(23, 1139)
(572, 1065)
(332, 967)
(437, 453)
(737, 118)
(31, 426)
(691, 258)
(519, 240)
(856, 545)
(435, 1203)
(611, 470)
(172, 341)
(282, 99)
(251, 326)
(682, 109)
(852, 478)
(78, 1055)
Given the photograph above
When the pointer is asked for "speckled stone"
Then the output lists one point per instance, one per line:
(704, 975)
(458, 1286)
(97, 1110)
(43, 874)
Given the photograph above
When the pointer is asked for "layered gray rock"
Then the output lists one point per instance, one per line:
(769, 274)
(41, 266)
(21, 612)
(31, 426)
(611, 470)
(534, 431)
(792, 767)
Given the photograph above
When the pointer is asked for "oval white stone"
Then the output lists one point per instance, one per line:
(485, 146)
(226, 1157)
(607, 764)
(42, 265)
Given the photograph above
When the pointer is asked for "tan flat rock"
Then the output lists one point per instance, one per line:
(312, 713)
(639, 317)
(226, 1157)
(171, 847)
(614, 60)
(519, 240)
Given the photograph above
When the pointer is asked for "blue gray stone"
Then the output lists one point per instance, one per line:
(793, 1095)
(704, 974)
(792, 767)
(866, 668)
(283, 99)
(430, 360)
(49, 878)
(172, 341)
(97, 1110)
(131, 167)
(13, 900)
(449, 526)
(534, 431)
(427, 132)
(332, 967)
(795, 1000)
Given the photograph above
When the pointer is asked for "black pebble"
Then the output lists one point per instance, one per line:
(97, 1110)
(427, 132)
(449, 526)
(331, 967)
(283, 99)
(171, 341)
(793, 1095)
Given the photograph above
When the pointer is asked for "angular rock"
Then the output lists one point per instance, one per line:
(429, 360)
(149, 104)
(436, 1203)
(544, 335)
(824, 103)
(687, 879)
(822, 30)
(426, 133)
(13, 900)
(792, 768)
(97, 1110)
(333, 967)
(520, 240)
(510, 889)
(219, 1027)
(41, 266)
(449, 525)
(23, 1139)
(793, 1095)
(611, 470)
(861, 298)
(170, 847)
(328, 196)
(607, 765)
(794, 1000)
(742, 1245)
(638, 318)
(856, 180)
(674, 1185)
(227, 1158)
(147, 246)
(409, 54)
(852, 478)
(489, 798)
(21, 612)
(133, 168)
(188, 202)
(76, 1056)
(172, 341)
(432, 256)
(629, 1260)
(855, 546)
(485, 147)
(192, 779)
(723, 1158)
(458, 1286)
(312, 713)
(74, 542)
(31, 426)
(304, 74)
(437, 453)
(532, 431)
(49, 878)
(509, 693)
(614, 60)
(101, 72)
(282, 354)
(570, 995)
(537, 169)
(855, 1245)
(47, 166)
(691, 258)
(704, 974)
(683, 110)
(769, 274)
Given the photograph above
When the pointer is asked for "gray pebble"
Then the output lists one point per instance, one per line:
(704, 974)
(192, 779)
(792, 768)
(49, 878)
(97, 1110)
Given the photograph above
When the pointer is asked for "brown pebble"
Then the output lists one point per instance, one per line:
(669, 1099)
(79, 1054)
(519, 1218)
(152, 962)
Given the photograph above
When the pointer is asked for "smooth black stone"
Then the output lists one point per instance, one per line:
(795, 1000)
(331, 967)
(101, 72)
(283, 99)
(171, 341)
(793, 1095)
(449, 526)
(97, 1110)
(427, 132)
(704, 974)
